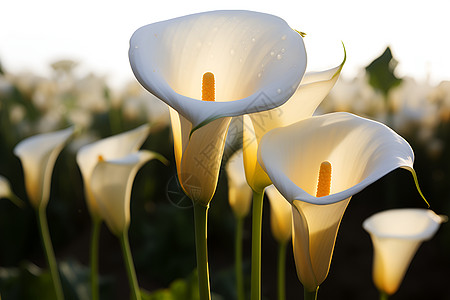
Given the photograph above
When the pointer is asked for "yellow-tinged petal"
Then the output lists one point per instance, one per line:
(396, 235)
(315, 228)
(251, 54)
(5, 187)
(111, 184)
(109, 148)
(38, 155)
(280, 215)
(256, 177)
(314, 87)
(239, 192)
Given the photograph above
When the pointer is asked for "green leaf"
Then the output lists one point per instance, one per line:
(381, 73)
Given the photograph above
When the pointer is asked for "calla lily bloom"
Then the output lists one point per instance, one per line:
(396, 235)
(239, 193)
(280, 215)
(257, 60)
(111, 183)
(6, 192)
(109, 148)
(5, 188)
(358, 151)
(38, 155)
(313, 88)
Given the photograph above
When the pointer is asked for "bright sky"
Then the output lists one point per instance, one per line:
(96, 33)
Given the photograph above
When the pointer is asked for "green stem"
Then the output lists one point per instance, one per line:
(49, 253)
(201, 246)
(256, 245)
(383, 296)
(310, 295)
(281, 270)
(96, 226)
(131, 272)
(238, 257)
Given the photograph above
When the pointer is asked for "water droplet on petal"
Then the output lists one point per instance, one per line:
(259, 75)
(272, 53)
(279, 56)
(279, 91)
(283, 50)
(232, 52)
(283, 37)
(253, 40)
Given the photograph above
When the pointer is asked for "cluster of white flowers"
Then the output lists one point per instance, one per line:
(67, 97)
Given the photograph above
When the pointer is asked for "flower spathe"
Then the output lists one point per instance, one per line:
(255, 57)
(257, 60)
(109, 148)
(280, 215)
(396, 235)
(239, 192)
(111, 184)
(313, 88)
(38, 155)
(5, 188)
(360, 151)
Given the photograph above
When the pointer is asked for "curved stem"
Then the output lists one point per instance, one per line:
(49, 253)
(238, 258)
(201, 246)
(131, 272)
(96, 226)
(281, 270)
(310, 295)
(383, 296)
(256, 245)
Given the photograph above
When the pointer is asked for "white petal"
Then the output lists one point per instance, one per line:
(109, 148)
(310, 93)
(360, 151)
(38, 155)
(257, 59)
(280, 215)
(111, 184)
(239, 192)
(5, 187)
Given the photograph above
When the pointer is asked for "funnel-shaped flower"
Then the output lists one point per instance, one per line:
(239, 193)
(111, 183)
(5, 188)
(314, 87)
(359, 152)
(396, 235)
(109, 148)
(280, 215)
(257, 60)
(38, 155)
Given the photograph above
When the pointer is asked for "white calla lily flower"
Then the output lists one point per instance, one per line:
(313, 88)
(109, 148)
(359, 152)
(257, 59)
(111, 184)
(396, 235)
(280, 215)
(239, 192)
(38, 155)
(5, 188)
(257, 62)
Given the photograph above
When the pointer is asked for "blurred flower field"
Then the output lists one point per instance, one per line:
(161, 235)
